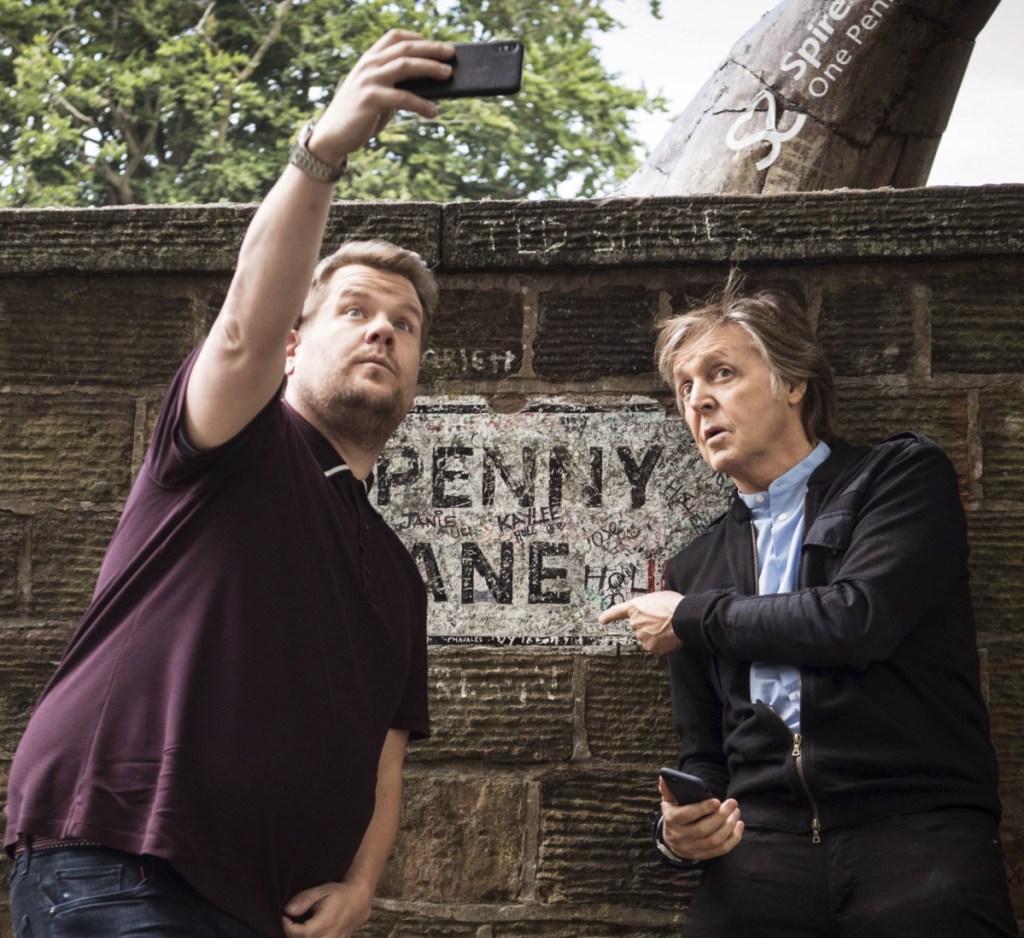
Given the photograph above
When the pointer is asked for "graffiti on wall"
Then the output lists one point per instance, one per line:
(525, 526)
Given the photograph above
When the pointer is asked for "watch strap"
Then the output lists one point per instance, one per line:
(310, 163)
(667, 856)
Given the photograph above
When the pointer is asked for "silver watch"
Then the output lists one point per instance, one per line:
(312, 165)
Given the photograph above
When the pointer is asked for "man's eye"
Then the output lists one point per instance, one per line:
(684, 391)
(402, 325)
(354, 312)
(724, 372)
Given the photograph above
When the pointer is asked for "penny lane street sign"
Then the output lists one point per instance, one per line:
(525, 526)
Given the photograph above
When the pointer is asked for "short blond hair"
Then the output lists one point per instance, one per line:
(380, 255)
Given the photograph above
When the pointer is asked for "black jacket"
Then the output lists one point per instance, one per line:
(881, 627)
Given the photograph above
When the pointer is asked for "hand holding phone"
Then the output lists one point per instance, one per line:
(686, 789)
(479, 70)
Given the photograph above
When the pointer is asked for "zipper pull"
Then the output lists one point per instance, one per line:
(816, 831)
(796, 745)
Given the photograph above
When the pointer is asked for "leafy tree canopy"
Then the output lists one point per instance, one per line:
(169, 101)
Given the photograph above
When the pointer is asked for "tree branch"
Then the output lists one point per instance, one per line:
(207, 13)
(72, 110)
(280, 10)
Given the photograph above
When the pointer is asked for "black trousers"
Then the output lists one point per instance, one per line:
(938, 874)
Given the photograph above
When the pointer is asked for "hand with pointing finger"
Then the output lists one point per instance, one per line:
(650, 618)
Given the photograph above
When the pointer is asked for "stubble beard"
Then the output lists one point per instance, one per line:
(362, 417)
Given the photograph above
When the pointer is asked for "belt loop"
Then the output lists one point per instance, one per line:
(28, 851)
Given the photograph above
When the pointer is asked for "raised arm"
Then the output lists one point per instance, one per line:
(241, 365)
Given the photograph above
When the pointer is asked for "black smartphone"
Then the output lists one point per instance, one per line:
(479, 70)
(686, 789)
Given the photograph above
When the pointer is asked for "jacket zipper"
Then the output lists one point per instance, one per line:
(798, 756)
(757, 571)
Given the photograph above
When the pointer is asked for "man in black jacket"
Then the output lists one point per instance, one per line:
(822, 658)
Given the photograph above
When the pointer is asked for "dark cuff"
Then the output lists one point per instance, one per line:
(692, 611)
(668, 858)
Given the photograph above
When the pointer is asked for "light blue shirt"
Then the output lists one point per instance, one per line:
(778, 516)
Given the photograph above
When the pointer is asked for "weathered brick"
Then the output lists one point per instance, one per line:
(976, 320)
(67, 550)
(28, 655)
(385, 923)
(1006, 710)
(13, 533)
(607, 818)
(589, 928)
(65, 446)
(628, 709)
(865, 323)
(1001, 427)
(918, 224)
(997, 558)
(699, 287)
(462, 839)
(96, 331)
(171, 238)
(871, 414)
(476, 334)
(499, 706)
(591, 335)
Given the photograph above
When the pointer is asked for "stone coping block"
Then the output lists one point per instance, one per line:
(194, 238)
(962, 221)
(802, 227)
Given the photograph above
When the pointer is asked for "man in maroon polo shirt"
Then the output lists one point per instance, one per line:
(220, 750)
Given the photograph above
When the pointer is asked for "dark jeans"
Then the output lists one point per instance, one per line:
(938, 874)
(85, 891)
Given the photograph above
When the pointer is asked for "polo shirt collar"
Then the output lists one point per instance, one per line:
(324, 453)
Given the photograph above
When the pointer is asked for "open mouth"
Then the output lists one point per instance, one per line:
(711, 433)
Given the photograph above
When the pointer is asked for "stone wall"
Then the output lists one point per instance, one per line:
(529, 811)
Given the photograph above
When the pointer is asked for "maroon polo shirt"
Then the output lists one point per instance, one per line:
(255, 631)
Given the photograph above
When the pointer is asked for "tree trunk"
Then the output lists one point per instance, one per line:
(822, 94)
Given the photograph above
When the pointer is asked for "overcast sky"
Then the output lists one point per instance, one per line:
(675, 55)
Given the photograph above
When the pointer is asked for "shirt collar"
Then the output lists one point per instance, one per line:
(795, 477)
(325, 454)
(802, 471)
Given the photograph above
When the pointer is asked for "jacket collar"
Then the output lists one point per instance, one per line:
(841, 457)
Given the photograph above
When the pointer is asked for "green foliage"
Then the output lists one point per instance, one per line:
(169, 101)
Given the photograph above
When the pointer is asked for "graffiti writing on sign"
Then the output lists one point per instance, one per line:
(818, 64)
(525, 526)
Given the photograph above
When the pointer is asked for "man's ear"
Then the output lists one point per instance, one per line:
(795, 392)
(293, 343)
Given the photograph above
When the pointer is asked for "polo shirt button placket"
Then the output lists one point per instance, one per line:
(364, 544)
